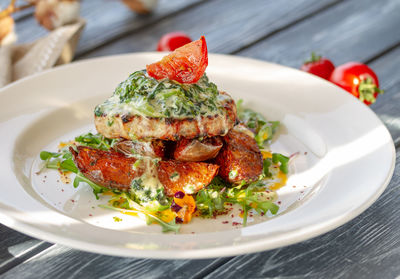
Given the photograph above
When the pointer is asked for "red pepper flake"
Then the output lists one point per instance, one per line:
(193, 232)
(301, 192)
(235, 223)
(225, 222)
(232, 215)
(241, 211)
(72, 200)
(262, 214)
(90, 215)
(62, 190)
(267, 191)
(278, 202)
(305, 153)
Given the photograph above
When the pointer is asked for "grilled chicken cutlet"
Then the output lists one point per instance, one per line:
(145, 108)
(240, 158)
(114, 170)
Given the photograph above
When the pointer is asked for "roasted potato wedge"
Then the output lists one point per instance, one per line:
(110, 169)
(188, 177)
(240, 158)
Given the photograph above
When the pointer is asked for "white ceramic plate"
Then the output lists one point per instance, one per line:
(346, 160)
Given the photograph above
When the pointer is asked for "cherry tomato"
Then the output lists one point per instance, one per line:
(319, 66)
(358, 79)
(172, 41)
(186, 64)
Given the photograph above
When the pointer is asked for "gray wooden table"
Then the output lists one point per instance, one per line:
(284, 32)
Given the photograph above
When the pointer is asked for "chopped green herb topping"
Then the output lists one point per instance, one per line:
(140, 94)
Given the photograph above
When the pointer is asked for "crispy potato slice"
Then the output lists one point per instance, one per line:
(110, 169)
(240, 158)
(188, 177)
(196, 150)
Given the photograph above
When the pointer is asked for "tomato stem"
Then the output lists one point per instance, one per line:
(314, 58)
(368, 90)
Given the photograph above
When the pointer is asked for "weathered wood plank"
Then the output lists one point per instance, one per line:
(387, 106)
(15, 247)
(105, 20)
(228, 25)
(61, 262)
(367, 247)
(353, 30)
(343, 33)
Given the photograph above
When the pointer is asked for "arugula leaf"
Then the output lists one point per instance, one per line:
(253, 196)
(212, 199)
(282, 160)
(266, 164)
(68, 165)
(97, 189)
(97, 141)
(46, 155)
(264, 130)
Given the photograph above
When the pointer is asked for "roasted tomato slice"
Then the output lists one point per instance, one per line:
(186, 64)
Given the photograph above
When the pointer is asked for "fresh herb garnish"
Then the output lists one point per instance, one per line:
(211, 201)
(264, 130)
(97, 141)
(141, 94)
(282, 160)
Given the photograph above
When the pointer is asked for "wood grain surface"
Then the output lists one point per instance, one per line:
(284, 32)
(227, 25)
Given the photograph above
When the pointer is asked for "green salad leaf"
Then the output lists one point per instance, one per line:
(97, 141)
(264, 130)
(282, 160)
(212, 199)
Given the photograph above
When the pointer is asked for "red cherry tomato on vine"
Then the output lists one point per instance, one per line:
(358, 79)
(172, 41)
(186, 64)
(319, 66)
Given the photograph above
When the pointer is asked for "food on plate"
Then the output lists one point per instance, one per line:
(358, 79)
(319, 66)
(171, 146)
(172, 41)
(200, 149)
(240, 158)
